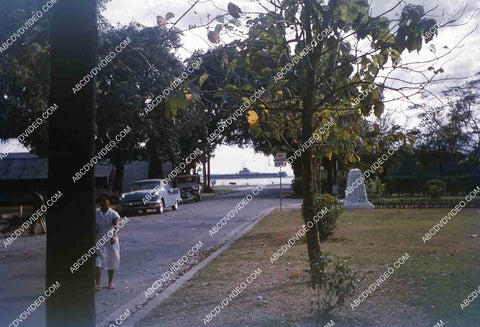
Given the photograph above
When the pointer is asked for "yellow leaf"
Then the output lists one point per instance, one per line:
(203, 78)
(358, 157)
(252, 118)
(329, 155)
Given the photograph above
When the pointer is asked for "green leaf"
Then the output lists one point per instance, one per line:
(173, 103)
(231, 87)
(234, 10)
(214, 36)
(218, 28)
(378, 108)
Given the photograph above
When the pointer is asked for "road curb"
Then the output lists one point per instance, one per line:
(138, 315)
(215, 195)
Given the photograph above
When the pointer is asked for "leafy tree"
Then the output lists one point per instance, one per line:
(141, 72)
(339, 56)
(24, 71)
(451, 128)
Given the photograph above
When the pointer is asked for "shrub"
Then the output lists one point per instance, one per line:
(436, 188)
(375, 188)
(328, 222)
(297, 187)
(336, 279)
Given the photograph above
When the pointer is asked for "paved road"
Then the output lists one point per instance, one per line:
(149, 244)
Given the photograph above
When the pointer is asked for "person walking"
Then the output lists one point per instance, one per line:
(108, 255)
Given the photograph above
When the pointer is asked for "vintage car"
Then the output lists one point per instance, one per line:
(156, 194)
(190, 187)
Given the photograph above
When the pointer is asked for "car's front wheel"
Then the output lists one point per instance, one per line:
(160, 207)
(175, 207)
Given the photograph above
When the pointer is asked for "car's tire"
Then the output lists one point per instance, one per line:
(175, 206)
(160, 207)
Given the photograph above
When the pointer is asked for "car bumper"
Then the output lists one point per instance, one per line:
(139, 205)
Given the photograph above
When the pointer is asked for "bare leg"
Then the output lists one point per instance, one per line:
(98, 276)
(110, 278)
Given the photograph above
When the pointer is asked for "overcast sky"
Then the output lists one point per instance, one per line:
(462, 63)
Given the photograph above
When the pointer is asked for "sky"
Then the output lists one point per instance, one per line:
(460, 63)
(231, 159)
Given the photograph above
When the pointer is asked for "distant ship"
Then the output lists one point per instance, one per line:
(246, 173)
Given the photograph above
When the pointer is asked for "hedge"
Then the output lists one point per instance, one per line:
(417, 185)
(422, 203)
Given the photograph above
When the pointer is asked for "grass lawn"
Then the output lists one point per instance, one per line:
(427, 288)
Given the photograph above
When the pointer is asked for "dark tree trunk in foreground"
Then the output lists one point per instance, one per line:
(71, 220)
(313, 244)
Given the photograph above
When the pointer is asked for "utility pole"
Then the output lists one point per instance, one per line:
(71, 221)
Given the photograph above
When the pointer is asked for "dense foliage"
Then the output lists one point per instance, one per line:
(436, 188)
(328, 221)
(375, 188)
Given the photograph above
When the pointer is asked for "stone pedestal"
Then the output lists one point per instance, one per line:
(355, 194)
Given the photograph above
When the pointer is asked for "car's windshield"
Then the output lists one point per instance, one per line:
(144, 186)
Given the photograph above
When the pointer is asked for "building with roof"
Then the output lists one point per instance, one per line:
(23, 174)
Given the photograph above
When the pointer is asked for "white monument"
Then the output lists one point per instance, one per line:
(355, 194)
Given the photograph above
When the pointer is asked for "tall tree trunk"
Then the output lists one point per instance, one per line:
(204, 170)
(71, 220)
(329, 188)
(119, 172)
(297, 167)
(155, 168)
(209, 183)
(335, 177)
(318, 175)
(313, 244)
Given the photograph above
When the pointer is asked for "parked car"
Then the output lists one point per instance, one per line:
(190, 187)
(149, 194)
